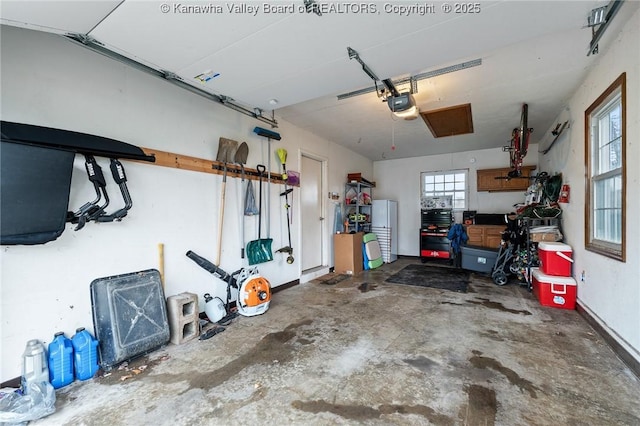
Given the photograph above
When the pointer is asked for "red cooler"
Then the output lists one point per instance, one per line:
(555, 258)
(554, 291)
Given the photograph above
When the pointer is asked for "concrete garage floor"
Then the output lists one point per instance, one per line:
(364, 351)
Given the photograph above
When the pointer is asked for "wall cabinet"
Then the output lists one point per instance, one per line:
(494, 179)
(488, 236)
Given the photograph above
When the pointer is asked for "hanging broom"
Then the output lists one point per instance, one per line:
(282, 155)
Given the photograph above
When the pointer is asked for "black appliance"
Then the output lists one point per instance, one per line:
(469, 217)
(489, 219)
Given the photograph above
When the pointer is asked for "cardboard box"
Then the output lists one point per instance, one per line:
(554, 291)
(555, 258)
(536, 237)
(347, 253)
(479, 259)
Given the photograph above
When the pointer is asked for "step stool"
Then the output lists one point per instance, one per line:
(184, 319)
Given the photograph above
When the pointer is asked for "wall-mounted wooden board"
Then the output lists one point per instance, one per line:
(186, 162)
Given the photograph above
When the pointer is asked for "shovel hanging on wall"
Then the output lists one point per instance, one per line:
(241, 158)
(259, 251)
(226, 151)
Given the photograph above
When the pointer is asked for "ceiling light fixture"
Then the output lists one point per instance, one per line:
(408, 114)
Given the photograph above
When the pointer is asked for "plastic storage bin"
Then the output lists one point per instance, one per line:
(555, 258)
(553, 290)
(60, 361)
(85, 354)
(34, 365)
(479, 259)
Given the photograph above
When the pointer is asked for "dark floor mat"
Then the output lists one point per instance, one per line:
(431, 276)
(336, 279)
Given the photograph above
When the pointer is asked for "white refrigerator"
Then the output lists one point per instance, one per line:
(384, 223)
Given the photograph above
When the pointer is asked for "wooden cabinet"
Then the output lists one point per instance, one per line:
(488, 236)
(493, 179)
(475, 234)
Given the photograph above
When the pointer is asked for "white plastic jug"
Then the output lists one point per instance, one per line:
(34, 365)
(214, 308)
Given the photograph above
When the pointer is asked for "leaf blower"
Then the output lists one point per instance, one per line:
(254, 291)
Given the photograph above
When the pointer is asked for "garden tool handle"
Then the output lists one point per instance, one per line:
(208, 266)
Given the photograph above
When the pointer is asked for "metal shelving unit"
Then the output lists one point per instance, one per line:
(358, 208)
(529, 223)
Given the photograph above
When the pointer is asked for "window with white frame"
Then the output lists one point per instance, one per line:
(452, 182)
(605, 125)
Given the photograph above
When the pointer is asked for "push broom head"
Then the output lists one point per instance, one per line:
(267, 133)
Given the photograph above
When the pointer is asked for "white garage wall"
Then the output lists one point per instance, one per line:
(400, 180)
(610, 291)
(49, 81)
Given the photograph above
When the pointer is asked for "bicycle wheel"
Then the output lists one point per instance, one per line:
(524, 132)
(514, 148)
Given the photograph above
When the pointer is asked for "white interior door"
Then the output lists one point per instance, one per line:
(312, 215)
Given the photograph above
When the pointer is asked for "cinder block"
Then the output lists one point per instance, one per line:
(184, 321)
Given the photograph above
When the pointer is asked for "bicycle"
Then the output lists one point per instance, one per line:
(519, 144)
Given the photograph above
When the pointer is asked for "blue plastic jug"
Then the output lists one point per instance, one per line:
(60, 361)
(85, 348)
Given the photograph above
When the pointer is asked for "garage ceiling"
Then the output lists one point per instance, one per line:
(530, 51)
